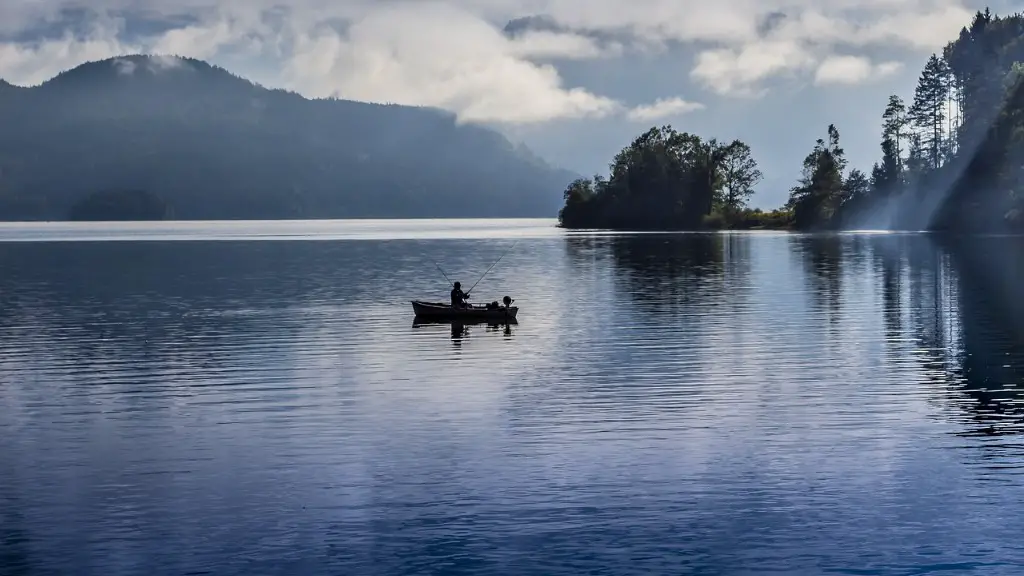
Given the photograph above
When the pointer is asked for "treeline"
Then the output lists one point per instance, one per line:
(952, 159)
(667, 180)
(953, 154)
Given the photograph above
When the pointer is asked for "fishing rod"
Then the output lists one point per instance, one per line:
(445, 275)
(492, 265)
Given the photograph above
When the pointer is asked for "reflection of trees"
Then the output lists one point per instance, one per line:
(648, 331)
(662, 271)
(586, 249)
(959, 300)
(991, 316)
(656, 257)
(823, 260)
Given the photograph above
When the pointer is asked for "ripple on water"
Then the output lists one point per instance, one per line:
(666, 404)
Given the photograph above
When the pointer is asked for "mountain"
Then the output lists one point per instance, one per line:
(212, 145)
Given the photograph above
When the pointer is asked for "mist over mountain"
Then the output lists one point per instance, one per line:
(212, 145)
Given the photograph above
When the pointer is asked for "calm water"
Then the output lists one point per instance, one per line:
(257, 400)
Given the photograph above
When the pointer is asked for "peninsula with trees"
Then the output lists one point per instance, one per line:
(952, 159)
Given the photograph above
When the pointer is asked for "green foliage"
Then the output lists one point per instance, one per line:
(819, 194)
(664, 179)
(757, 219)
(894, 125)
(739, 176)
(928, 111)
(955, 159)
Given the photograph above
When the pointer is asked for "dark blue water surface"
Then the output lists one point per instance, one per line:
(257, 400)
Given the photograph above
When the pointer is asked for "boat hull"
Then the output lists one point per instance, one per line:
(439, 311)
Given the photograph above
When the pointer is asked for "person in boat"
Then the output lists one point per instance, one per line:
(459, 297)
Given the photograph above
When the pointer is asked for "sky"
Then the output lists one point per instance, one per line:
(575, 80)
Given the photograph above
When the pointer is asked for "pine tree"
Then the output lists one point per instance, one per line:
(887, 176)
(894, 124)
(817, 197)
(928, 112)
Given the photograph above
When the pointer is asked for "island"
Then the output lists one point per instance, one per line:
(952, 160)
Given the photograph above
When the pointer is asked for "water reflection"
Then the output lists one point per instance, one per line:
(952, 306)
(706, 403)
(824, 258)
(660, 258)
(462, 329)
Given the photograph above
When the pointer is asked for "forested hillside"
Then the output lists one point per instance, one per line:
(952, 160)
(952, 153)
(211, 145)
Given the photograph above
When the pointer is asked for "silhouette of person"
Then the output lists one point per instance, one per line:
(458, 296)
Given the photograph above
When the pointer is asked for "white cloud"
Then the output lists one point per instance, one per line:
(852, 70)
(740, 71)
(198, 41)
(452, 54)
(414, 55)
(28, 64)
(662, 108)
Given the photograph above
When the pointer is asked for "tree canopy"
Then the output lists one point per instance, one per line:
(666, 179)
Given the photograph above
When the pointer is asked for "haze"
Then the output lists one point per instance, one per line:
(573, 80)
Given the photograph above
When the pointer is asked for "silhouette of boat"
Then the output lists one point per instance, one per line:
(440, 311)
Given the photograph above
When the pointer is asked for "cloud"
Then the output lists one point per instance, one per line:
(852, 70)
(32, 63)
(662, 108)
(560, 45)
(740, 71)
(413, 55)
(124, 66)
(458, 54)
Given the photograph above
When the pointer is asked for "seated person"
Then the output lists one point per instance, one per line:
(459, 297)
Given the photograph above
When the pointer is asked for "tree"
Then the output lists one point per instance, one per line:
(856, 187)
(815, 199)
(739, 176)
(928, 112)
(959, 162)
(663, 179)
(894, 124)
(887, 176)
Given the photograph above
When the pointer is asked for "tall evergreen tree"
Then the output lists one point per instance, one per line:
(928, 112)
(887, 176)
(895, 123)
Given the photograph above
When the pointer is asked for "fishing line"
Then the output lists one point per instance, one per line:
(492, 265)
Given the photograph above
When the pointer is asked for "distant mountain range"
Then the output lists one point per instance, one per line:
(211, 145)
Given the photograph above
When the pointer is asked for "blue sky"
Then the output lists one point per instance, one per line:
(575, 84)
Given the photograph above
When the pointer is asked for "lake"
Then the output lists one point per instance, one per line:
(254, 398)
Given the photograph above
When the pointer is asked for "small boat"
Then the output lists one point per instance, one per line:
(437, 310)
